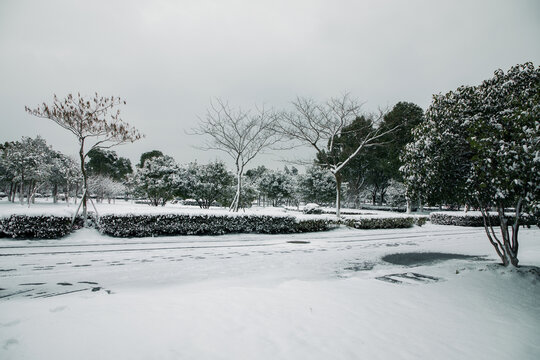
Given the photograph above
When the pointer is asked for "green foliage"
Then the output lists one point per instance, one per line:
(481, 145)
(160, 180)
(147, 156)
(380, 223)
(378, 166)
(107, 163)
(209, 183)
(317, 186)
(205, 224)
(36, 227)
(277, 186)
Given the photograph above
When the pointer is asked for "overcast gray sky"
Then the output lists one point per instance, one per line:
(167, 59)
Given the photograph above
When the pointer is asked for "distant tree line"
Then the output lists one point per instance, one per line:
(30, 167)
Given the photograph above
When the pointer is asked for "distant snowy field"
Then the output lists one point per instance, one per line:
(328, 295)
(44, 207)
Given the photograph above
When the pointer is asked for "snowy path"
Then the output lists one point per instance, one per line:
(112, 262)
(321, 296)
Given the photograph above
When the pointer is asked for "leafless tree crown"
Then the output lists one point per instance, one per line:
(89, 118)
(237, 132)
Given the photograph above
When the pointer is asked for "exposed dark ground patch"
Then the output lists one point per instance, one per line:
(423, 258)
(361, 266)
(45, 290)
(409, 277)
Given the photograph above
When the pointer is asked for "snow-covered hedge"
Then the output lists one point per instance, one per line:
(472, 219)
(380, 222)
(39, 227)
(141, 225)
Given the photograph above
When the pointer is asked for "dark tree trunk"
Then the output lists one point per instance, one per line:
(85, 183)
(55, 193)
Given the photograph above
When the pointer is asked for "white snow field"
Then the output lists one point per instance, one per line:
(327, 295)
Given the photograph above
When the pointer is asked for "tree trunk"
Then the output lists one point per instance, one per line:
(237, 198)
(55, 193)
(381, 198)
(506, 247)
(85, 184)
(76, 193)
(67, 193)
(409, 207)
(21, 192)
(338, 179)
(11, 194)
(374, 192)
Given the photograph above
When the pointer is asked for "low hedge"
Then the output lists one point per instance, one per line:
(36, 227)
(53, 227)
(474, 220)
(180, 224)
(380, 223)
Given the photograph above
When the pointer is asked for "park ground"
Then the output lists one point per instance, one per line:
(431, 292)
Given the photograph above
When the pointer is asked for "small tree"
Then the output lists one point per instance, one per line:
(210, 183)
(277, 186)
(160, 180)
(240, 134)
(93, 121)
(29, 163)
(317, 185)
(103, 186)
(63, 175)
(320, 126)
(481, 145)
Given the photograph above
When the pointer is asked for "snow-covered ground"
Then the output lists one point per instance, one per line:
(47, 207)
(327, 295)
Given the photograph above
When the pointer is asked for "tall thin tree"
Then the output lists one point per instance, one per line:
(95, 122)
(241, 134)
(322, 127)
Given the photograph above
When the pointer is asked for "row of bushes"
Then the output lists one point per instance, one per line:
(41, 227)
(52, 227)
(474, 220)
(383, 223)
(177, 224)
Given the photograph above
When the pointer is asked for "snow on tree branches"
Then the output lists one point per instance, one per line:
(480, 145)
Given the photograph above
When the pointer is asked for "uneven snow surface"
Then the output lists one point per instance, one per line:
(324, 296)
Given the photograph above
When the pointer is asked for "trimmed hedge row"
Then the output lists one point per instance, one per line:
(381, 223)
(177, 224)
(474, 220)
(41, 227)
(53, 227)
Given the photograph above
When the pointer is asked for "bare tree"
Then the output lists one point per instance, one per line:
(93, 121)
(240, 134)
(334, 129)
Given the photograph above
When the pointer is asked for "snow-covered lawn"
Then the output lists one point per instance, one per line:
(323, 295)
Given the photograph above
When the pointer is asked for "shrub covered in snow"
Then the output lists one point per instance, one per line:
(421, 220)
(130, 225)
(474, 219)
(380, 222)
(312, 208)
(39, 227)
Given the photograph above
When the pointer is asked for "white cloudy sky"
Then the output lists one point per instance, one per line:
(167, 59)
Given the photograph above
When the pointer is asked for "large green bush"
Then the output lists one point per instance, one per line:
(36, 227)
(202, 224)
